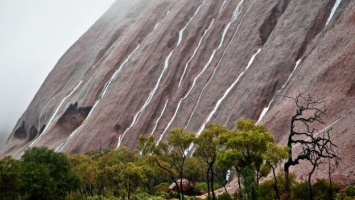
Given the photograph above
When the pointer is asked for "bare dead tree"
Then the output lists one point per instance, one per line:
(315, 146)
(322, 148)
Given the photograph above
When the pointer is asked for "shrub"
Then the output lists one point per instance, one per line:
(350, 191)
(201, 186)
(342, 196)
(267, 190)
(162, 188)
(145, 196)
(46, 174)
(300, 191)
(224, 196)
(322, 189)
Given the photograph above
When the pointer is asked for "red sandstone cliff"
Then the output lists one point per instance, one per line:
(148, 66)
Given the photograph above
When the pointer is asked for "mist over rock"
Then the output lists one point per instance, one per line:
(3, 138)
(147, 66)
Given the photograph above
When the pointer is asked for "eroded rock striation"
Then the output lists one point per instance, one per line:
(147, 66)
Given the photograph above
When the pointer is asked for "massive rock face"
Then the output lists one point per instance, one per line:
(148, 66)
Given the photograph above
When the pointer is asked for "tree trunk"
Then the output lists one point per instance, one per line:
(254, 192)
(287, 177)
(222, 183)
(331, 188)
(310, 183)
(275, 183)
(177, 187)
(330, 180)
(239, 183)
(212, 188)
(129, 192)
(181, 189)
(208, 183)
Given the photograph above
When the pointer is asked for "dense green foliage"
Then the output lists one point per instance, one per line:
(9, 178)
(247, 151)
(350, 191)
(39, 174)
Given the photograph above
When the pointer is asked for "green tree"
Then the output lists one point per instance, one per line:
(132, 176)
(245, 148)
(111, 166)
(195, 169)
(207, 147)
(171, 155)
(9, 178)
(267, 187)
(148, 152)
(87, 168)
(154, 174)
(180, 142)
(146, 145)
(46, 174)
(274, 156)
(37, 183)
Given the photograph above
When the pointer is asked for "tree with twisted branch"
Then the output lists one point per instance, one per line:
(316, 146)
(319, 150)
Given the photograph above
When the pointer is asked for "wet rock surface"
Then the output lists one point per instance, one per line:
(147, 66)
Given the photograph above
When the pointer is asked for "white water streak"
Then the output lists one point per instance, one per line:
(181, 32)
(187, 94)
(40, 115)
(118, 70)
(150, 97)
(328, 127)
(220, 10)
(195, 51)
(171, 120)
(161, 114)
(226, 93)
(294, 69)
(325, 129)
(265, 110)
(156, 25)
(235, 15)
(55, 113)
(236, 12)
(166, 64)
(65, 142)
(336, 5)
(107, 85)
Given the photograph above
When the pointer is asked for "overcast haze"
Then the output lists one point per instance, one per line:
(34, 35)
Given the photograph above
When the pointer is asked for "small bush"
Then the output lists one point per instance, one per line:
(300, 191)
(267, 188)
(350, 191)
(201, 186)
(224, 196)
(322, 189)
(75, 196)
(343, 196)
(146, 196)
(161, 188)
